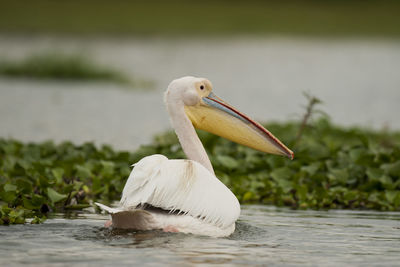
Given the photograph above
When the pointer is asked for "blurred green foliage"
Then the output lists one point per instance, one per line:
(346, 168)
(190, 17)
(56, 66)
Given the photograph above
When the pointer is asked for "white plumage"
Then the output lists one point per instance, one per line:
(181, 185)
(192, 195)
(185, 195)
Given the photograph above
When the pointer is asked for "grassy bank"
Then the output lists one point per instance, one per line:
(346, 168)
(56, 66)
(156, 17)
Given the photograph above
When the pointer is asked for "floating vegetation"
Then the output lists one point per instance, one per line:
(55, 66)
(334, 168)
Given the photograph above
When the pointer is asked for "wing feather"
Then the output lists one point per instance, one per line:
(180, 185)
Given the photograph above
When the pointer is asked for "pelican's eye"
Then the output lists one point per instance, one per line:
(201, 87)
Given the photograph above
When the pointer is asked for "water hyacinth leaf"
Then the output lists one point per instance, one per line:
(396, 184)
(8, 197)
(24, 164)
(283, 173)
(38, 200)
(38, 220)
(312, 168)
(54, 196)
(391, 195)
(374, 173)
(77, 185)
(58, 174)
(86, 189)
(227, 162)
(9, 188)
(8, 163)
(396, 200)
(107, 168)
(16, 213)
(28, 204)
(392, 168)
(9, 148)
(301, 192)
(386, 181)
(12, 216)
(282, 177)
(355, 154)
(247, 196)
(24, 185)
(83, 172)
(349, 196)
(125, 170)
(338, 175)
(43, 180)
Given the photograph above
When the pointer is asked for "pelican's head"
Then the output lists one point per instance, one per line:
(208, 112)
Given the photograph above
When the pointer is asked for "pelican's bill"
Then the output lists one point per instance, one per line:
(216, 116)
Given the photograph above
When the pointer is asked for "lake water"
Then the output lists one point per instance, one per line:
(264, 236)
(358, 80)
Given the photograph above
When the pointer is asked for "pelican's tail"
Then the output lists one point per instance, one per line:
(136, 219)
(139, 219)
(108, 209)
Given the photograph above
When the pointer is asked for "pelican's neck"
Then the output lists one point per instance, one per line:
(187, 136)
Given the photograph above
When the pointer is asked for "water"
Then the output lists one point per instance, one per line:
(358, 80)
(264, 236)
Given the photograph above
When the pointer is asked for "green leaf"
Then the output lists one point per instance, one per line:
(54, 196)
(374, 173)
(27, 203)
(392, 168)
(83, 172)
(24, 185)
(10, 187)
(391, 195)
(38, 200)
(338, 175)
(282, 177)
(247, 196)
(281, 173)
(386, 181)
(58, 174)
(301, 192)
(227, 161)
(107, 168)
(38, 220)
(8, 197)
(312, 168)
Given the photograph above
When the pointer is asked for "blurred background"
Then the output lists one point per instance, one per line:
(96, 70)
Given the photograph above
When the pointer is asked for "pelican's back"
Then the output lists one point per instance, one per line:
(180, 185)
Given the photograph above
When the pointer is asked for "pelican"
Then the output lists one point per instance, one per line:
(184, 195)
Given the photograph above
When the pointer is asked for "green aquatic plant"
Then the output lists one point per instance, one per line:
(334, 167)
(56, 66)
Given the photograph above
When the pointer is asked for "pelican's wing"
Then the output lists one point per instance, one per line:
(180, 185)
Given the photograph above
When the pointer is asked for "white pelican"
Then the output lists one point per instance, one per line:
(185, 195)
